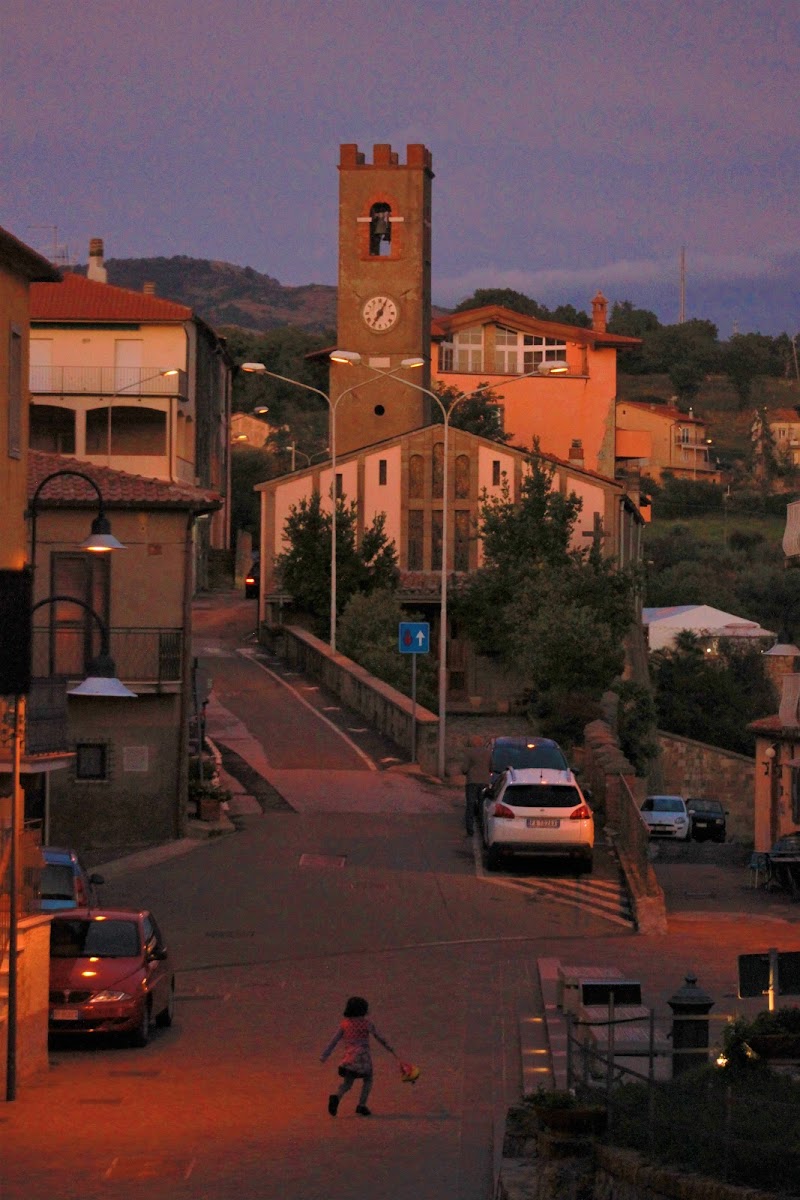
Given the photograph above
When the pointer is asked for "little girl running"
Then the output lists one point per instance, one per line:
(354, 1031)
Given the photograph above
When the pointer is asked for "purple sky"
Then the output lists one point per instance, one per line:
(576, 145)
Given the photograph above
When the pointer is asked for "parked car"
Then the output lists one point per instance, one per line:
(110, 972)
(65, 881)
(667, 816)
(537, 812)
(523, 753)
(252, 580)
(707, 818)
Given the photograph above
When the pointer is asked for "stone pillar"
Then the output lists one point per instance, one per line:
(689, 1035)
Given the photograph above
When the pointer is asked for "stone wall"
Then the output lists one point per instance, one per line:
(550, 1168)
(692, 768)
(388, 710)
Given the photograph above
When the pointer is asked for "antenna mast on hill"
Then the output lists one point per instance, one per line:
(682, 300)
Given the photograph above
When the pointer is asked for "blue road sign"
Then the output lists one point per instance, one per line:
(414, 637)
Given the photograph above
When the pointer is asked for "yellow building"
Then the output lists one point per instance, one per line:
(20, 268)
(654, 438)
(127, 380)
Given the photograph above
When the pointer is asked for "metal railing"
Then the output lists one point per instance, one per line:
(140, 655)
(106, 381)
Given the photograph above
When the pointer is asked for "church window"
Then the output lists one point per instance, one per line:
(436, 540)
(382, 472)
(461, 541)
(496, 472)
(416, 477)
(415, 538)
(380, 229)
(438, 471)
(462, 477)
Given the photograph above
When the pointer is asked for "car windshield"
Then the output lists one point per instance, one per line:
(525, 755)
(97, 938)
(709, 806)
(671, 804)
(541, 795)
(58, 882)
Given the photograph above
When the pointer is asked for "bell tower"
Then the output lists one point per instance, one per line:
(384, 298)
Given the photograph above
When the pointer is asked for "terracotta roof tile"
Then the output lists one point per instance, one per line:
(496, 314)
(79, 299)
(119, 489)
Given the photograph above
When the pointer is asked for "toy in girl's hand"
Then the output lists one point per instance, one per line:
(408, 1072)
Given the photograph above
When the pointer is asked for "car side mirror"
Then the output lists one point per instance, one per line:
(587, 793)
(97, 879)
(157, 954)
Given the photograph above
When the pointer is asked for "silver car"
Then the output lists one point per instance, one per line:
(667, 817)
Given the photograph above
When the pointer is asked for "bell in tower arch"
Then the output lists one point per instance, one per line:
(380, 228)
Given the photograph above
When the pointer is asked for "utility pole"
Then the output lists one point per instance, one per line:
(682, 300)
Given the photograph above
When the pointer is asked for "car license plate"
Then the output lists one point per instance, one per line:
(543, 822)
(65, 1014)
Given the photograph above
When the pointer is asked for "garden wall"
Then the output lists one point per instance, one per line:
(692, 768)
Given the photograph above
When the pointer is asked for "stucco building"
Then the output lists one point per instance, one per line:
(127, 380)
(654, 438)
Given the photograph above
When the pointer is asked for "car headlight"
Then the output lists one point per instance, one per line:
(109, 996)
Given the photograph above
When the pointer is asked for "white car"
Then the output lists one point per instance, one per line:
(668, 817)
(538, 811)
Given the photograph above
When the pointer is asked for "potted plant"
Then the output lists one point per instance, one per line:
(770, 1035)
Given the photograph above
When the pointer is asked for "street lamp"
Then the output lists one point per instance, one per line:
(101, 681)
(556, 367)
(350, 358)
(100, 540)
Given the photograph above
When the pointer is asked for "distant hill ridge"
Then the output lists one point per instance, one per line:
(226, 295)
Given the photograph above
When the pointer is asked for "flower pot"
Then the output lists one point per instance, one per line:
(209, 808)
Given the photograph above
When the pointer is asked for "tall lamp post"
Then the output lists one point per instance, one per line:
(558, 367)
(101, 681)
(350, 358)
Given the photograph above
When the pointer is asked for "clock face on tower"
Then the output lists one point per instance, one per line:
(380, 313)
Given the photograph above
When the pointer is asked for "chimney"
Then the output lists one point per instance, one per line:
(790, 699)
(96, 269)
(576, 452)
(149, 288)
(599, 313)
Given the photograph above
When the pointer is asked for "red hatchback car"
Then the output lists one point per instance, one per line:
(110, 972)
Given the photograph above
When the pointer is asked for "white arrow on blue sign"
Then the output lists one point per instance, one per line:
(414, 637)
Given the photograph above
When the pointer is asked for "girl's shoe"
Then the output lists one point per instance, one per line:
(333, 1105)
(363, 1111)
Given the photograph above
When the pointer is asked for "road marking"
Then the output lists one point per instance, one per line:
(251, 656)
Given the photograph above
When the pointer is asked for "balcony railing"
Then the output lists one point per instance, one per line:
(152, 656)
(106, 381)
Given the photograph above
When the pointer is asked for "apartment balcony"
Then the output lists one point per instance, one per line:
(107, 381)
(146, 659)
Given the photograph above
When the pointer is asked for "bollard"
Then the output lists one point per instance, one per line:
(689, 1032)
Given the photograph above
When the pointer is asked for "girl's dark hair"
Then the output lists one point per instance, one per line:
(356, 1007)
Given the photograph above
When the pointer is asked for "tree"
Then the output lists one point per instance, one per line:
(712, 698)
(744, 357)
(686, 352)
(367, 633)
(306, 566)
(506, 298)
(554, 614)
(765, 461)
(480, 413)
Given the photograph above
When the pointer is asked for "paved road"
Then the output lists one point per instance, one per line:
(354, 880)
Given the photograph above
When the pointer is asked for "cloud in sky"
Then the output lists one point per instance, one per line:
(576, 143)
